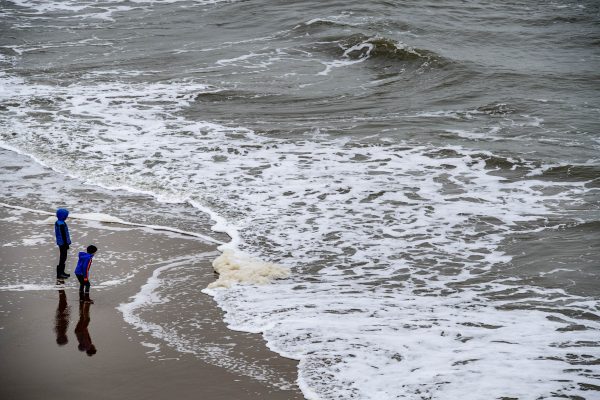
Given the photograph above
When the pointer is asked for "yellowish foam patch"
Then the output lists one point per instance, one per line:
(235, 267)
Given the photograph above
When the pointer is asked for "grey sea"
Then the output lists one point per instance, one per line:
(427, 171)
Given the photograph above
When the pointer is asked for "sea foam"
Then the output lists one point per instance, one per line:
(395, 249)
(236, 267)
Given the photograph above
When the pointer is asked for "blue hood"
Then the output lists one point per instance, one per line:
(62, 214)
(61, 230)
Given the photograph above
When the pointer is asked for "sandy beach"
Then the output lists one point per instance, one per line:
(45, 331)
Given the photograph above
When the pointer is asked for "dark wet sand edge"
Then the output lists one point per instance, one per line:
(35, 367)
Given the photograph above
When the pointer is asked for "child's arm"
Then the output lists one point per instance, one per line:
(87, 271)
(63, 234)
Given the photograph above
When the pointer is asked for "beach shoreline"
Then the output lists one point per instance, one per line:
(401, 199)
(130, 361)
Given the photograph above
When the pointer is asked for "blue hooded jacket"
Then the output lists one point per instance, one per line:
(83, 264)
(61, 230)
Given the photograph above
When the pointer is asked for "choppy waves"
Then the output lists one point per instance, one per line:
(397, 239)
(395, 248)
(97, 9)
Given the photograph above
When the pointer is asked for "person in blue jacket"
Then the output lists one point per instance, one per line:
(63, 240)
(82, 272)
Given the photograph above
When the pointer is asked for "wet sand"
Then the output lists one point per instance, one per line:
(44, 333)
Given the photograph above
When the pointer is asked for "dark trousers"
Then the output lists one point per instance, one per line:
(62, 259)
(83, 284)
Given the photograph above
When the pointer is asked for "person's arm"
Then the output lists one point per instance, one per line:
(63, 234)
(87, 271)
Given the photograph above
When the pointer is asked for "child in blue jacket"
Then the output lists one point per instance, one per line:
(82, 271)
(63, 240)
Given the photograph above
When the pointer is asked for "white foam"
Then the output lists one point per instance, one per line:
(115, 282)
(150, 296)
(34, 241)
(236, 267)
(436, 344)
(454, 114)
(154, 347)
(491, 134)
(391, 245)
(346, 61)
(103, 10)
(26, 287)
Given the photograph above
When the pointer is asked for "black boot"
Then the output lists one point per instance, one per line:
(62, 272)
(86, 298)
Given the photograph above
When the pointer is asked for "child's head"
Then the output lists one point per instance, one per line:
(62, 214)
(91, 249)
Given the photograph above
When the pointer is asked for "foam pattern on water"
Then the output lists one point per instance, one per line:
(99, 9)
(234, 267)
(172, 290)
(379, 344)
(395, 248)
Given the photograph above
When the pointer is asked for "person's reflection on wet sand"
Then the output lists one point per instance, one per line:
(81, 330)
(61, 319)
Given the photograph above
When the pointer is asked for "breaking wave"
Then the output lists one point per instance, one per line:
(360, 46)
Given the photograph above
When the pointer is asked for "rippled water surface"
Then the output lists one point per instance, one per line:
(428, 171)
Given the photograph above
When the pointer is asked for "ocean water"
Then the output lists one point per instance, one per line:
(428, 172)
